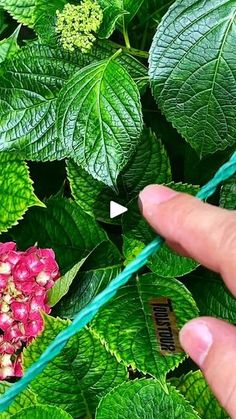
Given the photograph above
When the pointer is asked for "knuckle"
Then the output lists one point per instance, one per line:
(227, 239)
(184, 215)
(228, 401)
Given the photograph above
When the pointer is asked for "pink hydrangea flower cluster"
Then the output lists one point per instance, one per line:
(25, 278)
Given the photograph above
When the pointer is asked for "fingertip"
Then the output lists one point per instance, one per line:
(154, 195)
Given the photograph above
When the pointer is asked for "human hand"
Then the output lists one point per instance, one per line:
(207, 234)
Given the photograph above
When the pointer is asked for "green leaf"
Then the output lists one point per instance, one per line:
(195, 389)
(91, 195)
(144, 399)
(62, 285)
(3, 24)
(30, 84)
(165, 262)
(105, 254)
(87, 286)
(21, 10)
(25, 399)
(9, 46)
(150, 164)
(130, 6)
(193, 72)
(228, 194)
(199, 170)
(169, 264)
(131, 249)
(212, 296)
(30, 12)
(82, 374)
(42, 412)
(100, 116)
(63, 226)
(45, 18)
(111, 14)
(152, 11)
(16, 190)
(126, 327)
(135, 68)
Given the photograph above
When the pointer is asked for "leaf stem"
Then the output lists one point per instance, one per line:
(141, 78)
(117, 53)
(132, 51)
(126, 35)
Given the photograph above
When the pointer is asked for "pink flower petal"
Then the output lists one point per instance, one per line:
(39, 291)
(3, 281)
(5, 321)
(30, 250)
(47, 309)
(46, 253)
(49, 284)
(51, 267)
(7, 247)
(13, 257)
(21, 272)
(33, 328)
(15, 332)
(7, 348)
(34, 263)
(35, 315)
(27, 287)
(20, 311)
(18, 370)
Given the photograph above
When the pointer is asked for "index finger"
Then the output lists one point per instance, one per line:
(204, 232)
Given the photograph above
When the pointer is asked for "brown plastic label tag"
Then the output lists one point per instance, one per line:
(165, 325)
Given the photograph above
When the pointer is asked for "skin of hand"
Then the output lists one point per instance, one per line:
(207, 234)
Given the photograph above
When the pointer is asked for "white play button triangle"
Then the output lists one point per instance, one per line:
(116, 209)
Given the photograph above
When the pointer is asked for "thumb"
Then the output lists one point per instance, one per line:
(211, 343)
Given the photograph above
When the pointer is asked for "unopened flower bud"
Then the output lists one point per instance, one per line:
(5, 268)
(5, 360)
(78, 24)
(4, 307)
(6, 372)
(42, 278)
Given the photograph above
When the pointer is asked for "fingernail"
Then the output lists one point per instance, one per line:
(196, 339)
(154, 195)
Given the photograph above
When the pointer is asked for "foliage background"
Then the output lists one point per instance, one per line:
(97, 127)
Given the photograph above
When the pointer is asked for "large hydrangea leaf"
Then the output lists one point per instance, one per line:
(76, 379)
(193, 71)
(195, 389)
(126, 326)
(16, 190)
(99, 116)
(145, 399)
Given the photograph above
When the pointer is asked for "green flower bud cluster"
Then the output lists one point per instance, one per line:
(78, 24)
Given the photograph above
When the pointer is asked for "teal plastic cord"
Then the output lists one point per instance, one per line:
(88, 312)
